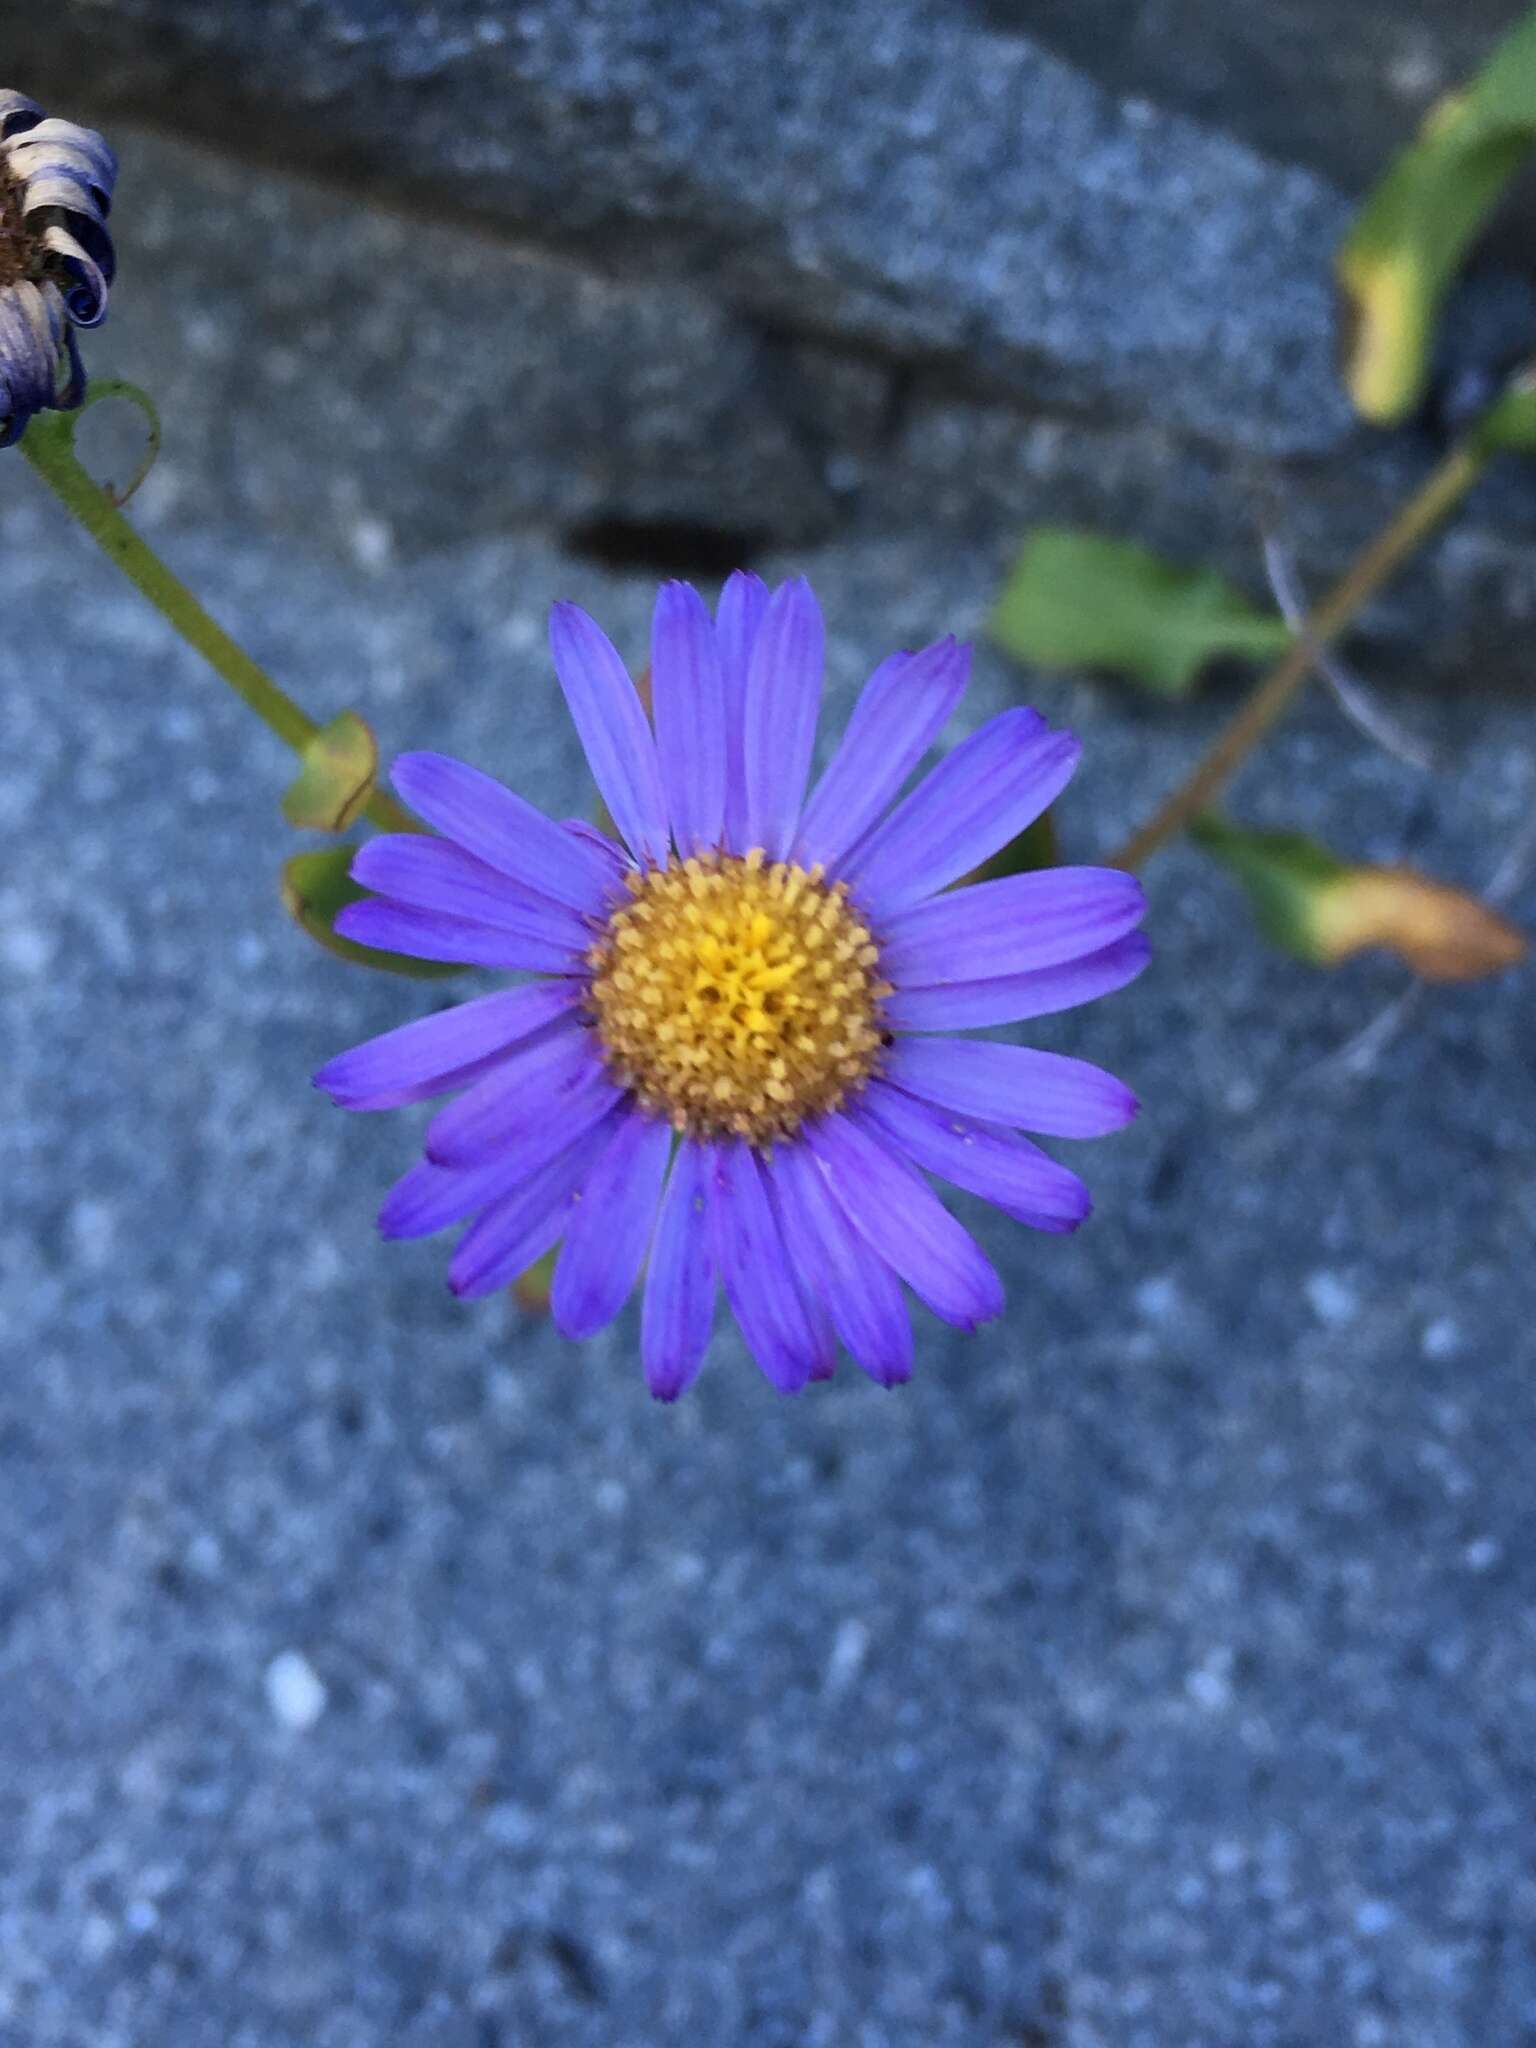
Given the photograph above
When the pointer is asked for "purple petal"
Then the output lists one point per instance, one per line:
(1010, 926)
(971, 1005)
(429, 1198)
(1011, 1084)
(487, 820)
(900, 713)
(679, 1308)
(421, 1055)
(783, 698)
(540, 1099)
(1001, 1167)
(610, 1227)
(755, 1270)
(689, 710)
(434, 874)
(615, 858)
(428, 935)
(976, 800)
(859, 1291)
(738, 617)
(900, 1217)
(612, 728)
(527, 1219)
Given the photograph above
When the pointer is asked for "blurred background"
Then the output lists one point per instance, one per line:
(1159, 1668)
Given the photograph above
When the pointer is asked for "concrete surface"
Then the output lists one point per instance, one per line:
(1157, 1671)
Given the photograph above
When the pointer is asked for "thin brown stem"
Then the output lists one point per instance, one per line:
(1436, 497)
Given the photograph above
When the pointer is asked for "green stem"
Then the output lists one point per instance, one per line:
(1436, 497)
(48, 444)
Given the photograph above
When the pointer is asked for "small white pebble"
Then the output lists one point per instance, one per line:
(373, 544)
(26, 949)
(295, 1692)
(1441, 1338)
(1209, 1685)
(1332, 1300)
(92, 1231)
(1156, 1299)
(850, 1646)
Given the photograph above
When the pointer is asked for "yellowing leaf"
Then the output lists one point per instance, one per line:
(1087, 600)
(1308, 902)
(1443, 933)
(1411, 234)
(341, 765)
(316, 887)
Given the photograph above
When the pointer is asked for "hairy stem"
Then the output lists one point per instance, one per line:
(48, 445)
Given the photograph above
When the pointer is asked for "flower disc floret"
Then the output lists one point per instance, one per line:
(738, 996)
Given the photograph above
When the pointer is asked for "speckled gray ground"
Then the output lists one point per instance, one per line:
(1157, 1671)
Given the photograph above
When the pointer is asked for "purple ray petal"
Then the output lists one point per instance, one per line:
(738, 616)
(755, 1270)
(428, 935)
(1010, 927)
(612, 728)
(610, 1227)
(689, 710)
(429, 1198)
(486, 819)
(606, 849)
(900, 713)
(527, 1218)
(429, 1047)
(526, 1102)
(971, 1005)
(679, 1308)
(976, 800)
(421, 1055)
(1012, 1084)
(1000, 1166)
(857, 1288)
(783, 698)
(436, 875)
(902, 1219)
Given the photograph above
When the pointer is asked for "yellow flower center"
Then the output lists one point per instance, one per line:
(738, 996)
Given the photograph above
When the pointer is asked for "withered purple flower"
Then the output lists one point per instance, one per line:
(56, 260)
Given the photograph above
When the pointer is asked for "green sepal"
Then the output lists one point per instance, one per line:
(1088, 600)
(531, 1289)
(1033, 849)
(316, 887)
(1410, 236)
(332, 788)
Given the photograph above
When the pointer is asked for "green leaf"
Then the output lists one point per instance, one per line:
(1085, 600)
(1410, 236)
(1282, 874)
(1510, 422)
(316, 887)
(341, 765)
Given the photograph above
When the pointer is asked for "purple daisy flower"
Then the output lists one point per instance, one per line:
(739, 1064)
(56, 258)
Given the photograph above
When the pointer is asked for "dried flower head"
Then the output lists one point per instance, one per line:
(741, 1059)
(56, 261)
